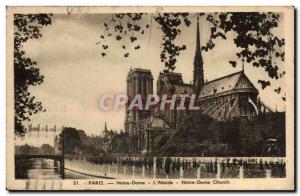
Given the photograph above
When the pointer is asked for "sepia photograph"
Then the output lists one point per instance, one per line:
(150, 98)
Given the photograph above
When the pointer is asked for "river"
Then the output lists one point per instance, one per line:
(45, 169)
(82, 169)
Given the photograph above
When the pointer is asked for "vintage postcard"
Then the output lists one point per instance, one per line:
(150, 98)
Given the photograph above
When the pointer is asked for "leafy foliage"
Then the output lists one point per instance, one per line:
(130, 26)
(170, 24)
(126, 27)
(25, 73)
(121, 143)
(252, 35)
(69, 139)
(47, 149)
(191, 138)
(239, 137)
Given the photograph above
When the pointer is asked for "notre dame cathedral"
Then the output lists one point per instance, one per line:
(225, 98)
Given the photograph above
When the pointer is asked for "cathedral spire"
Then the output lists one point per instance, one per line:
(243, 65)
(105, 127)
(198, 38)
(198, 79)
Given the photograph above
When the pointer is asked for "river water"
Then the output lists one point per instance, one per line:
(82, 169)
(45, 169)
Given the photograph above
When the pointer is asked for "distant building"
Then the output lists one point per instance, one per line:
(39, 135)
(107, 139)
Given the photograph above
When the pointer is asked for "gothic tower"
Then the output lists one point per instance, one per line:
(139, 82)
(198, 79)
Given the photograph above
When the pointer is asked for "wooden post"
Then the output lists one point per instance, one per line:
(268, 173)
(62, 172)
(27, 184)
(117, 169)
(199, 172)
(218, 170)
(133, 167)
(241, 172)
(31, 185)
(181, 169)
(154, 167)
(62, 162)
(143, 171)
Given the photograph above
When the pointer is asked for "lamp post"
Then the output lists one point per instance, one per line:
(62, 156)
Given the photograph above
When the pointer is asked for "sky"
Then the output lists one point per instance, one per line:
(76, 75)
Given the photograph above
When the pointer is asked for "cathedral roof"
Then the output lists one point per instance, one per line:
(222, 84)
(138, 72)
(184, 88)
(172, 77)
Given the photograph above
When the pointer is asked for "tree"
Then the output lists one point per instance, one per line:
(25, 71)
(128, 26)
(46, 149)
(159, 141)
(24, 149)
(254, 37)
(230, 134)
(252, 32)
(192, 137)
(70, 140)
(91, 149)
(236, 137)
